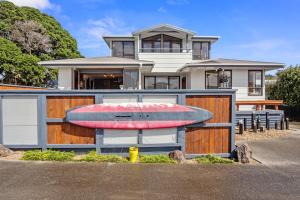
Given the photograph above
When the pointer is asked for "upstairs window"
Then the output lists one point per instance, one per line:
(123, 49)
(161, 82)
(201, 50)
(219, 79)
(161, 44)
(255, 83)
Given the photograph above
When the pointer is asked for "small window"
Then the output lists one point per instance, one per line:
(161, 82)
(149, 82)
(255, 83)
(218, 79)
(201, 50)
(123, 49)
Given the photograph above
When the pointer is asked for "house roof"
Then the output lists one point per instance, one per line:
(176, 28)
(108, 60)
(231, 63)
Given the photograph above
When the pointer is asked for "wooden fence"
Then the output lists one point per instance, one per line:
(215, 136)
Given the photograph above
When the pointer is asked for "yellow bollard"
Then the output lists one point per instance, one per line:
(133, 154)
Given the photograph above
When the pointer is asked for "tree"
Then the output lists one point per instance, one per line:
(22, 69)
(27, 36)
(63, 44)
(31, 37)
(287, 86)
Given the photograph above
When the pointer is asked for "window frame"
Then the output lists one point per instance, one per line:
(228, 70)
(168, 77)
(123, 49)
(161, 38)
(199, 57)
(261, 79)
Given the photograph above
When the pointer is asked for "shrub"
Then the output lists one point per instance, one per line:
(92, 156)
(49, 155)
(209, 159)
(156, 159)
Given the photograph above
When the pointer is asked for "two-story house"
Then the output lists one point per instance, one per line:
(163, 57)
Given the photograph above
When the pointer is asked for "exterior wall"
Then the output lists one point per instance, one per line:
(196, 81)
(65, 76)
(166, 62)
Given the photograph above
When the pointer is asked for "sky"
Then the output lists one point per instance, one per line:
(264, 30)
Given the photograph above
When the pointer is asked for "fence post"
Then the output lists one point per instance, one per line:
(287, 123)
(267, 121)
(254, 127)
(241, 127)
(282, 123)
(245, 124)
(276, 125)
(258, 122)
(253, 120)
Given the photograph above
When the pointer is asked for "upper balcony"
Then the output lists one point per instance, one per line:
(164, 50)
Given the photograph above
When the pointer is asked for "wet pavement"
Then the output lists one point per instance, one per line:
(43, 180)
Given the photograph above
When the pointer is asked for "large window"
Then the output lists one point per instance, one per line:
(218, 79)
(123, 49)
(201, 50)
(131, 78)
(161, 43)
(255, 83)
(161, 82)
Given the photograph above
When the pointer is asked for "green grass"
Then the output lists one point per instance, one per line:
(209, 159)
(92, 156)
(156, 159)
(49, 155)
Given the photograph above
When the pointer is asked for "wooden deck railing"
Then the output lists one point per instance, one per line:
(259, 103)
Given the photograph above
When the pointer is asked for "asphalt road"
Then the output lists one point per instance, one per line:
(37, 180)
(277, 151)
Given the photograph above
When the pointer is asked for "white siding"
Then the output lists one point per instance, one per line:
(120, 136)
(119, 99)
(65, 78)
(167, 62)
(20, 120)
(159, 136)
(240, 82)
(197, 79)
(160, 99)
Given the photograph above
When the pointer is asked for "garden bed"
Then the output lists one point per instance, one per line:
(92, 156)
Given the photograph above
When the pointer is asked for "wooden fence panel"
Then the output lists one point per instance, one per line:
(207, 140)
(213, 139)
(219, 105)
(58, 105)
(65, 133)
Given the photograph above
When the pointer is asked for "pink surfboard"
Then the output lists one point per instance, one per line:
(136, 115)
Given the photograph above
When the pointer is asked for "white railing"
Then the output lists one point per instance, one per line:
(164, 50)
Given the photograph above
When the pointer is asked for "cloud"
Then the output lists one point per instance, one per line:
(39, 4)
(177, 2)
(161, 10)
(90, 35)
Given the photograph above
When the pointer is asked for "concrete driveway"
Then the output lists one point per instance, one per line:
(42, 180)
(277, 151)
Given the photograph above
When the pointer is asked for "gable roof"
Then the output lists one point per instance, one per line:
(231, 63)
(176, 28)
(107, 60)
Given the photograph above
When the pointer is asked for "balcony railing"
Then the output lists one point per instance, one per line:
(164, 50)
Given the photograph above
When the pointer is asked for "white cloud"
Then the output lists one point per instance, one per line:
(177, 2)
(39, 4)
(161, 10)
(90, 36)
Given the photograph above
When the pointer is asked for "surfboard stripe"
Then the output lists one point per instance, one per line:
(132, 124)
(133, 107)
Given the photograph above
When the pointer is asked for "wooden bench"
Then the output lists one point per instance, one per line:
(259, 103)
